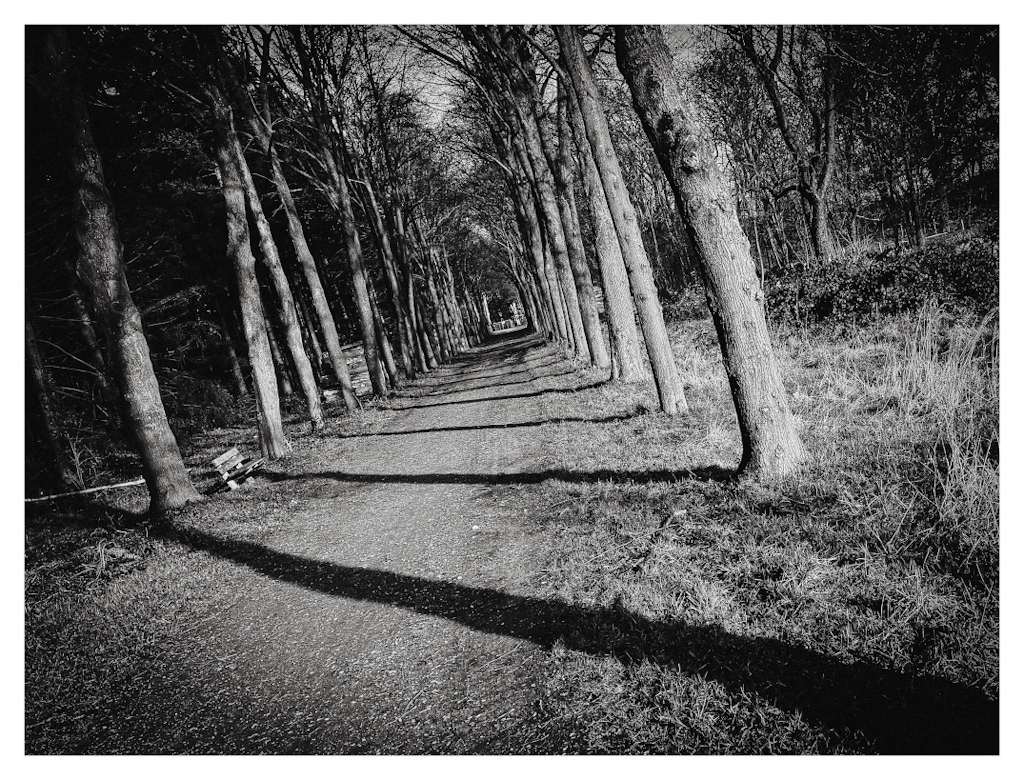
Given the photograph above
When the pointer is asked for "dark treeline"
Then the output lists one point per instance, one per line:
(222, 221)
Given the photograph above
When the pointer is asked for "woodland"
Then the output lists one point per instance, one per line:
(665, 359)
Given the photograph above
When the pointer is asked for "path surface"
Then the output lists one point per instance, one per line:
(337, 642)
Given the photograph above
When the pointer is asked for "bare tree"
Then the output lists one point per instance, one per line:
(685, 149)
(641, 277)
(101, 267)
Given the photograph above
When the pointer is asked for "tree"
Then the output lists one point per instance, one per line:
(262, 129)
(641, 278)
(797, 71)
(685, 149)
(273, 442)
(101, 267)
(618, 303)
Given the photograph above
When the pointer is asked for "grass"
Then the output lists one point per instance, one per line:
(106, 594)
(884, 552)
(728, 616)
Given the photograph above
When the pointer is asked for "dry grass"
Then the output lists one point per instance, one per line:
(882, 554)
(805, 615)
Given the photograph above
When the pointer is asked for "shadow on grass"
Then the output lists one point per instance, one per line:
(499, 426)
(892, 711)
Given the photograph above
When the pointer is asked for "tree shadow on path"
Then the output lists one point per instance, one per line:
(894, 712)
(497, 426)
(702, 474)
(553, 391)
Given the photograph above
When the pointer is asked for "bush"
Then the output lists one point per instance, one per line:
(964, 274)
(195, 404)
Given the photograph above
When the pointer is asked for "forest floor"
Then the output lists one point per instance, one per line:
(513, 556)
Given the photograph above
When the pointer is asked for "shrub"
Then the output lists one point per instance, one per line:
(964, 274)
(194, 404)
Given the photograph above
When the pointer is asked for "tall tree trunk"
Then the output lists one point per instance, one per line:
(328, 327)
(387, 356)
(281, 368)
(261, 127)
(360, 282)
(287, 315)
(101, 267)
(228, 334)
(547, 203)
(564, 184)
(618, 303)
(273, 443)
(685, 150)
(46, 433)
(405, 344)
(541, 248)
(638, 266)
(92, 347)
(311, 339)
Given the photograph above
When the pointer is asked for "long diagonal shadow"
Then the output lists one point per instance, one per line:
(490, 372)
(893, 711)
(703, 474)
(553, 391)
(468, 385)
(497, 426)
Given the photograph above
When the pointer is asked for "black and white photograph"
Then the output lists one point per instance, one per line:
(511, 389)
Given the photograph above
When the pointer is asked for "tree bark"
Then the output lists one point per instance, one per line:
(273, 443)
(92, 346)
(547, 203)
(564, 184)
(46, 433)
(281, 368)
(685, 149)
(360, 284)
(287, 315)
(618, 303)
(638, 266)
(328, 327)
(261, 127)
(101, 267)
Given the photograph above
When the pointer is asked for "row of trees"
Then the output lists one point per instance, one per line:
(574, 168)
(228, 93)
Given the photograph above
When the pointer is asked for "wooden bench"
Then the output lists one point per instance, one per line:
(234, 469)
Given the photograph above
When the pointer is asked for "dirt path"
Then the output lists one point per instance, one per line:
(337, 642)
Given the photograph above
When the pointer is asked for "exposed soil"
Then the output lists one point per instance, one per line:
(334, 638)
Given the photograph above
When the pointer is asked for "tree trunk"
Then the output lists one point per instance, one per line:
(638, 266)
(287, 315)
(281, 367)
(360, 282)
(311, 339)
(618, 303)
(685, 149)
(547, 202)
(101, 267)
(328, 327)
(92, 346)
(234, 360)
(384, 344)
(405, 343)
(564, 183)
(37, 398)
(273, 443)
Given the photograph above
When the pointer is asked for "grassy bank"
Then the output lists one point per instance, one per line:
(789, 616)
(851, 608)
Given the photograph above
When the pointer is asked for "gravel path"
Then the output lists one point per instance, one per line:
(338, 642)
